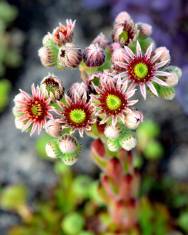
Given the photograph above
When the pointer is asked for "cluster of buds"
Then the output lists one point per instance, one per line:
(102, 105)
(119, 187)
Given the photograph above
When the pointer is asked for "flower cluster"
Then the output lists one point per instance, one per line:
(102, 105)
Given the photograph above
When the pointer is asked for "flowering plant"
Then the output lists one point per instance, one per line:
(101, 106)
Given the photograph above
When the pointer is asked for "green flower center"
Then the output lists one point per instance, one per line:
(141, 70)
(113, 102)
(77, 116)
(124, 36)
(36, 109)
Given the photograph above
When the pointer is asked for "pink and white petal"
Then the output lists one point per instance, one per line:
(143, 90)
(125, 85)
(26, 126)
(33, 129)
(159, 81)
(156, 56)
(121, 64)
(131, 86)
(26, 95)
(114, 121)
(129, 52)
(161, 64)
(138, 49)
(132, 102)
(149, 51)
(130, 93)
(162, 73)
(152, 88)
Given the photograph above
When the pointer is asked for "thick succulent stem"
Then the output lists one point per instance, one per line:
(119, 183)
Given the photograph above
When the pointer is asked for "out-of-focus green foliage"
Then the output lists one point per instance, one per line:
(148, 145)
(10, 55)
(153, 218)
(183, 221)
(71, 203)
(5, 88)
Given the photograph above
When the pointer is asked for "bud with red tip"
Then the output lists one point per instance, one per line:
(94, 55)
(52, 149)
(64, 33)
(122, 17)
(69, 56)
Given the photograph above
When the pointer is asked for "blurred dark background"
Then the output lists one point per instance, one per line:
(18, 156)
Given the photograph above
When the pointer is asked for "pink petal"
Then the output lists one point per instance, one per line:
(138, 49)
(143, 90)
(161, 64)
(129, 52)
(159, 81)
(149, 51)
(152, 88)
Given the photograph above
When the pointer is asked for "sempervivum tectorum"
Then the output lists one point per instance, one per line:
(94, 55)
(69, 56)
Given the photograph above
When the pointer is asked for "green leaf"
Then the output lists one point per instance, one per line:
(183, 221)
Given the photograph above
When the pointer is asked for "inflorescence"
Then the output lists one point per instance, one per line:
(102, 105)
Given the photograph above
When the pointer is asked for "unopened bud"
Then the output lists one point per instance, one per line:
(69, 56)
(48, 56)
(144, 29)
(64, 33)
(172, 79)
(53, 128)
(167, 93)
(52, 87)
(122, 17)
(111, 132)
(133, 119)
(94, 55)
(113, 145)
(118, 57)
(68, 144)
(128, 142)
(164, 53)
(52, 149)
(101, 40)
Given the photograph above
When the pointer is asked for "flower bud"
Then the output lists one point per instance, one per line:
(113, 145)
(77, 90)
(68, 145)
(70, 159)
(94, 55)
(128, 142)
(70, 149)
(118, 56)
(124, 31)
(69, 56)
(64, 33)
(167, 93)
(164, 53)
(47, 40)
(172, 79)
(48, 56)
(114, 46)
(53, 128)
(122, 17)
(101, 40)
(144, 29)
(52, 87)
(111, 132)
(52, 149)
(133, 119)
